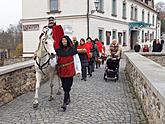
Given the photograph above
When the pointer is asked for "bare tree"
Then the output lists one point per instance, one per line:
(11, 37)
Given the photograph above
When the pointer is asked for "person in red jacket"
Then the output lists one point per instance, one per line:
(68, 66)
(52, 29)
(89, 47)
(83, 53)
(146, 48)
(56, 30)
(99, 45)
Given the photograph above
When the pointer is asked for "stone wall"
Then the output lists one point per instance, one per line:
(148, 79)
(15, 80)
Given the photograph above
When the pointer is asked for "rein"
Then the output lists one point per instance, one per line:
(41, 67)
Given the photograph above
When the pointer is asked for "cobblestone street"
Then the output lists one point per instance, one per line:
(92, 102)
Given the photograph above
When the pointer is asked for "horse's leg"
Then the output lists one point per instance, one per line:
(38, 80)
(51, 85)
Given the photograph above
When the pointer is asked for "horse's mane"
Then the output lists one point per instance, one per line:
(40, 47)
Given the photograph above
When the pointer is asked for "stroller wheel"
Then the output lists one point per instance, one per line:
(117, 77)
(105, 77)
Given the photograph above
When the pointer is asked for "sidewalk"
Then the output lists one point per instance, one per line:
(92, 102)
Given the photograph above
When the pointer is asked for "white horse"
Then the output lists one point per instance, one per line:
(44, 55)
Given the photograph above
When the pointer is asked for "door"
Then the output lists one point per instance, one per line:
(133, 38)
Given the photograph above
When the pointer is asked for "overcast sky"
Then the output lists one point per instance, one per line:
(11, 12)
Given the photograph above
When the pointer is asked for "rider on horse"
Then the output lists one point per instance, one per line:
(55, 30)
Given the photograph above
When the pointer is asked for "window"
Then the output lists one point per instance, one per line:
(151, 36)
(120, 37)
(143, 15)
(153, 20)
(146, 36)
(124, 10)
(148, 18)
(124, 39)
(101, 5)
(114, 8)
(53, 5)
(108, 35)
(114, 34)
(146, 1)
(136, 13)
(142, 36)
(131, 12)
(101, 35)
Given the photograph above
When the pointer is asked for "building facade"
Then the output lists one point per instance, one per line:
(128, 21)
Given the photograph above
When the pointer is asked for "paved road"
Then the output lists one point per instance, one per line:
(92, 102)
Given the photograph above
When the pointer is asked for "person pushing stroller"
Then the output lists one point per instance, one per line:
(115, 49)
(112, 63)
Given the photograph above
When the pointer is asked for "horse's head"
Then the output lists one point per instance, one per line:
(48, 44)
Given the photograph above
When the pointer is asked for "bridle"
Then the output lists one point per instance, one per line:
(45, 64)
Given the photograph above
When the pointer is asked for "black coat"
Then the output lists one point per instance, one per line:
(84, 59)
(157, 47)
(137, 48)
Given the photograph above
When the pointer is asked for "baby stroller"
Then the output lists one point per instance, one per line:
(112, 69)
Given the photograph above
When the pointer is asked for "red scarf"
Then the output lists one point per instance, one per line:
(84, 46)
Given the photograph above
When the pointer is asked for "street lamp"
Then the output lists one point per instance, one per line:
(96, 3)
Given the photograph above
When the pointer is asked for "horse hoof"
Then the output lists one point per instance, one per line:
(35, 105)
(59, 93)
(50, 98)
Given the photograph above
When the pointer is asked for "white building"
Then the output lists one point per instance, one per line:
(81, 18)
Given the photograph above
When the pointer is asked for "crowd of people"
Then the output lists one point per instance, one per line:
(79, 58)
(157, 46)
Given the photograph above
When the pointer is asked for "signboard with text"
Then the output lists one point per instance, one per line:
(32, 27)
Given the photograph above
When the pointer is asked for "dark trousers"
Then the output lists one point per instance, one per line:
(93, 66)
(84, 72)
(90, 69)
(66, 85)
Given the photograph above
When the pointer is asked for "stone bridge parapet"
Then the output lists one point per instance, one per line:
(148, 79)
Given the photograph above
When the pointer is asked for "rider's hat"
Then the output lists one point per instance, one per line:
(51, 17)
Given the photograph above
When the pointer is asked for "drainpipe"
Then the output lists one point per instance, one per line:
(87, 18)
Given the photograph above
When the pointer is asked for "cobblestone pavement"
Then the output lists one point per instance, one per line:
(92, 102)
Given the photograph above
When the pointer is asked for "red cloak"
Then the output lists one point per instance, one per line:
(58, 33)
